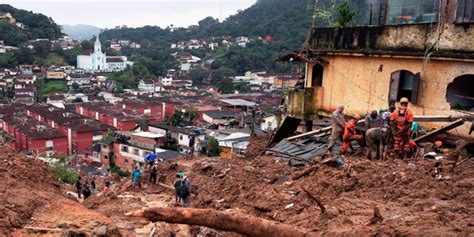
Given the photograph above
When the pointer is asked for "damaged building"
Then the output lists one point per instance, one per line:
(420, 49)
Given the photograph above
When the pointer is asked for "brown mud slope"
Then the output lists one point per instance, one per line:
(30, 196)
(407, 198)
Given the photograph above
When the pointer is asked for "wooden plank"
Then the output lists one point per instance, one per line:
(310, 133)
(441, 130)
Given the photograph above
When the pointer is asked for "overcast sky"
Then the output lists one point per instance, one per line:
(109, 13)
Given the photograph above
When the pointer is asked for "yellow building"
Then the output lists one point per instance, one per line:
(53, 75)
(370, 67)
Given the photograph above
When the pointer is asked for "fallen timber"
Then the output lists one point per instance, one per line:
(225, 221)
(454, 119)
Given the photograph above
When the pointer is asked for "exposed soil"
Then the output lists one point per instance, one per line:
(372, 198)
(31, 201)
(410, 201)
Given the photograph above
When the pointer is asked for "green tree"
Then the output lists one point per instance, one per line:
(221, 74)
(63, 173)
(198, 75)
(226, 86)
(344, 14)
(243, 88)
(208, 22)
(154, 67)
(214, 149)
(8, 60)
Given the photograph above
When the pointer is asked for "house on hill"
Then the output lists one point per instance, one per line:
(423, 53)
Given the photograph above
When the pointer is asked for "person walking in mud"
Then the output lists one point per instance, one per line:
(177, 184)
(93, 185)
(153, 174)
(78, 186)
(86, 192)
(136, 178)
(185, 191)
(338, 124)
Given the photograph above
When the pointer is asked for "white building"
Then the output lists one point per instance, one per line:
(117, 63)
(146, 86)
(167, 81)
(95, 61)
(269, 123)
(242, 41)
(99, 61)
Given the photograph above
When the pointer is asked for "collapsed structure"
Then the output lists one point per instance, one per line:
(423, 53)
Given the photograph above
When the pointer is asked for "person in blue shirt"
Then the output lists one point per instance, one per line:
(136, 178)
(150, 159)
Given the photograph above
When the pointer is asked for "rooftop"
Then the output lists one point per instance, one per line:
(238, 102)
(221, 114)
(166, 127)
(32, 128)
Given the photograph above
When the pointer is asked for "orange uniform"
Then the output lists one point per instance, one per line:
(402, 118)
(349, 135)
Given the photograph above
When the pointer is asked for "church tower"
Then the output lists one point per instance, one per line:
(97, 45)
(98, 59)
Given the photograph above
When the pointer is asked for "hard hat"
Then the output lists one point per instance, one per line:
(404, 100)
(357, 116)
(438, 143)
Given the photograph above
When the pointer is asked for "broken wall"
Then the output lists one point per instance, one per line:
(362, 83)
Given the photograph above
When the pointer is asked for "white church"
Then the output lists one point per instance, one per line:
(97, 61)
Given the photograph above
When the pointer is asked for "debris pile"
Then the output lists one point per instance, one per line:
(32, 201)
(372, 197)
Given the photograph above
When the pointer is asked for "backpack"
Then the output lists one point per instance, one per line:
(183, 188)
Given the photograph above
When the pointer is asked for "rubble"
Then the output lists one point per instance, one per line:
(32, 201)
(404, 193)
(391, 197)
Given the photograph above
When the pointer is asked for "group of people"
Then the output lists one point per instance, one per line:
(394, 125)
(202, 146)
(182, 185)
(85, 188)
(150, 161)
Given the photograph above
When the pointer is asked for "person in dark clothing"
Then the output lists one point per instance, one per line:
(153, 174)
(191, 146)
(185, 191)
(107, 183)
(177, 184)
(93, 186)
(204, 146)
(373, 120)
(86, 191)
(78, 186)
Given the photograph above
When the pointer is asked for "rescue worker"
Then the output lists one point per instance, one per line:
(338, 123)
(350, 135)
(372, 120)
(401, 121)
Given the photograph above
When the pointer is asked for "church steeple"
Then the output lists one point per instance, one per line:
(97, 45)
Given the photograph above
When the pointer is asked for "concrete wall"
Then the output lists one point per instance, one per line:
(452, 37)
(361, 83)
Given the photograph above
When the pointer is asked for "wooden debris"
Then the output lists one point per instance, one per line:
(306, 171)
(225, 221)
(441, 130)
(377, 218)
(42, 229)
(320, 204)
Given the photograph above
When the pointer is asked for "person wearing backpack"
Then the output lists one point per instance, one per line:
(86, 192)
(177, 184)
(184, 191)
(136, 176)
